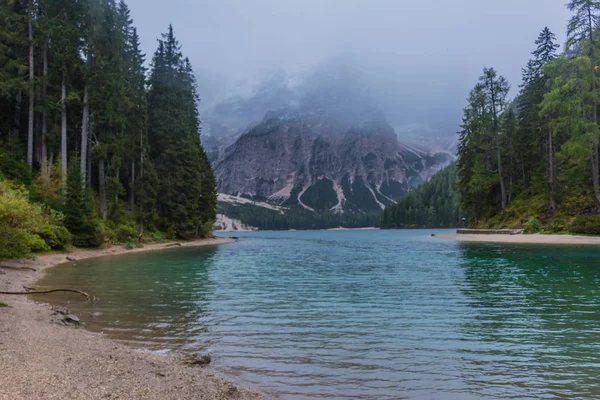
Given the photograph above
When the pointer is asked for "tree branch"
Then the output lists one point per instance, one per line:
(18, 268)
(86, 295)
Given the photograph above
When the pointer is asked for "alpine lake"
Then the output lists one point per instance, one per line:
(359, 314)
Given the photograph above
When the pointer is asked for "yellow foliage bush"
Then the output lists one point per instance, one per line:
(27, 227)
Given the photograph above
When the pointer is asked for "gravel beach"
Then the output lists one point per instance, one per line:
(44, 359)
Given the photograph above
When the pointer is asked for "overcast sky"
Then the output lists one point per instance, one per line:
(423, 55)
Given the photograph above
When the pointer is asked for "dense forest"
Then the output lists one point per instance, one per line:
(297, 218)
(531, 162)
(93, 146)
(534, 161)
(432, 204)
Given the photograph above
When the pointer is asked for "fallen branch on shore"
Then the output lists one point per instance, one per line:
(18, 268)
(86, 295)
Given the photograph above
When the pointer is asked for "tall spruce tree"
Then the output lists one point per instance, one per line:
(107, 100)
(536, 137)
(495, 89)
(174, 135)
(13, 70)
(581, 28)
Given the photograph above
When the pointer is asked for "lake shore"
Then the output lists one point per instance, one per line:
(46, 359)
(526, 239)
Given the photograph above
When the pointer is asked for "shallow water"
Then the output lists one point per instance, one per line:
(360, 314)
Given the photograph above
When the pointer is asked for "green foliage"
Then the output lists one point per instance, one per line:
(13, 167)
(533, 226)
(187, 202)
(3, 304)
(48, 188)
(433, 204)
(548, 141)
(80, 218)
(586, 224)
(27, 227)
(88, 53)
(157, 237)
(296, 218)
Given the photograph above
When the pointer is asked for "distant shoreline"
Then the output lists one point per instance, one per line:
(48, 359)
(531, 239)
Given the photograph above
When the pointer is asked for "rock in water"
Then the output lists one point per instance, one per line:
(201, 360)
(60, 310)
(71, 319)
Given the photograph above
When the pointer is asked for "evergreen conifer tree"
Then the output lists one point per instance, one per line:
(80, 218)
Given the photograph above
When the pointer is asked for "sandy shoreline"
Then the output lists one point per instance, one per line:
(531, 239)
(44, 359)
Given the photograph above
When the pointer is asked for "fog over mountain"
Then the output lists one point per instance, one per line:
(419, 59)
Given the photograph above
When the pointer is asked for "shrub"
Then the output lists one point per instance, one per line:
(48, 188)
(25, 226)
(13, 167)
(532, 226)
(126, 234)
(56, 237)
(158, 237)
(586, 224)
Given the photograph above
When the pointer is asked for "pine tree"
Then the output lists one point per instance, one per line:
(185, 204)
(13, 70)
(61, 28)
(496, 90)
(534, 132)
(107, 100)
(80, 219)
(581, 28)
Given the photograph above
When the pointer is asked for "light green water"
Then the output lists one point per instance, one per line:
(360, 314)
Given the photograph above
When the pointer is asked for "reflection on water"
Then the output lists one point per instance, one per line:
(361, 315)
(535, 324)
(156, 300)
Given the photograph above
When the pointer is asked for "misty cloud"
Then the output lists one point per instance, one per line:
(421, 57)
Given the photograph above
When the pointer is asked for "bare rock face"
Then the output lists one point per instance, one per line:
(319, 163)
(327, 148)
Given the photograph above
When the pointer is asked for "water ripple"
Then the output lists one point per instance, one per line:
(361, 315)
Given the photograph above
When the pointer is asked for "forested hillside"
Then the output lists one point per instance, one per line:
(534, 161)
(296, 218)
(432, 204)
(90, 140)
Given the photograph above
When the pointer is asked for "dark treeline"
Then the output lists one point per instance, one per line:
(109, 148)
(432, 204)
(295, 218)
(536, 158)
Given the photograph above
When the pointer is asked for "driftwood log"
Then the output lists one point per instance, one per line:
(86, 295)
(18, 268)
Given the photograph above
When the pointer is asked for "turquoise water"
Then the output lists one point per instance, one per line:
(361, 314)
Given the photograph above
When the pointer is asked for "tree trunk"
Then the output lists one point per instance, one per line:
(89, 167)
(551, 171)
(102, 189)
(31, 89)
(502, 188)
(142, 177)
(84, 133)
(131, 183)
(595, 177)
(594, 159)
(116, 191)
(18, 103)
(89, 159)
(45, 113)
(63, 129)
